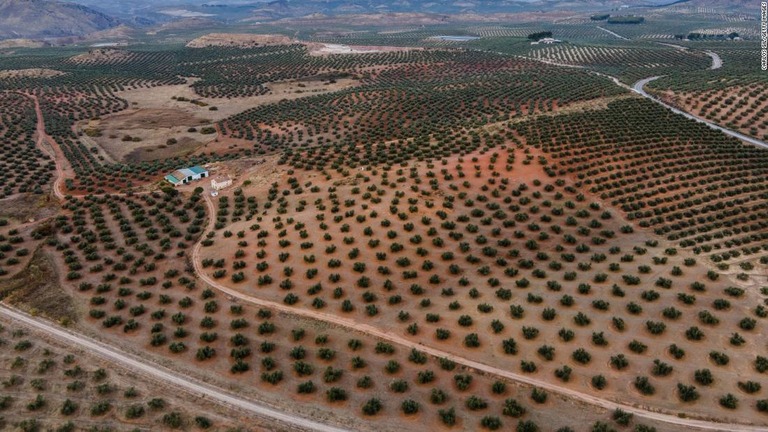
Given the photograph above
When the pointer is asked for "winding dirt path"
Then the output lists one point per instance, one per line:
(53, 150)
(612, 33)
(670, 419)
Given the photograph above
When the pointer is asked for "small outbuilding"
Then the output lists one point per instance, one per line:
(221, 182)
(186, 175)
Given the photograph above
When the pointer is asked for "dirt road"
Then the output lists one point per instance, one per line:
(168, 376)
(612, 33)
(54, 151)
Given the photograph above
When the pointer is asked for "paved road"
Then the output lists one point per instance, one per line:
(168, 376)
(408, 344)
(717, 62)
(638, 88)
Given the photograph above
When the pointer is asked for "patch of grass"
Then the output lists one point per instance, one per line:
(37, 290)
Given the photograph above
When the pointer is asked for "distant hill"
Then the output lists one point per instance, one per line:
(37, 19)
(277, 9)
(732, 6)
(729, 6)
(282, 8)
(50, 19)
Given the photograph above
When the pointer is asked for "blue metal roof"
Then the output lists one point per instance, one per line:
(186, 172)
(179, 175)
(198, 169)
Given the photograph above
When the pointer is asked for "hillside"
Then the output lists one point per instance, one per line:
(732, 6)
(146, 13)
(42, 19)
(264, 11)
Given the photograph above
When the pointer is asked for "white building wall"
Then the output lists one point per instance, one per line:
(218, 185)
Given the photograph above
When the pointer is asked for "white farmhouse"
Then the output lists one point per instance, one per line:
(221, 182)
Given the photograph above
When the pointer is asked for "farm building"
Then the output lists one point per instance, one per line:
(186, 175)
(221, 182)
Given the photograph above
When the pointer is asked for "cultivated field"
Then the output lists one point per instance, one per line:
(46, 385)
(479, 258)
(421, 234)
(733, 95)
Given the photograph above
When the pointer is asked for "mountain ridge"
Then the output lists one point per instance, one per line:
(50, 19)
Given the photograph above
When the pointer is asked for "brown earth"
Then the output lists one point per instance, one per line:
(159, 99)
(185, 146)
(316, 48)
(122, 32)
(160, 113)
(30, 73)
(148, 118)
(620, 387)
(22, 43)
(154, 127)
(240, 40)
(25, 208)
(37, 291)
(101, 55)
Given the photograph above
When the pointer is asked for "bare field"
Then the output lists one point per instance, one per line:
(160, 114)
(21, 43)
(145, 133)
(149, 118)
(101, 55)
(30, 73)
(329, 49)
(36, 289)
(240, 40)
(27, 208)
(162, 97)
